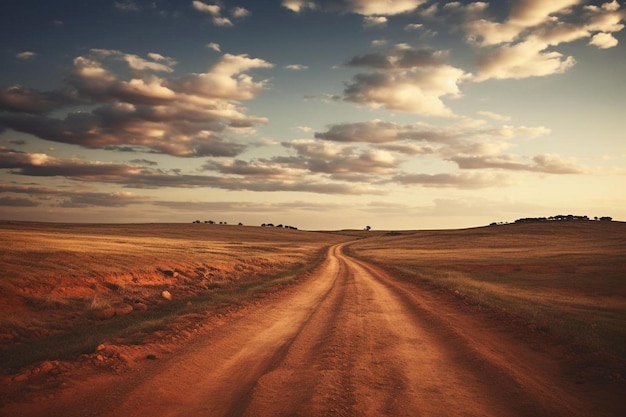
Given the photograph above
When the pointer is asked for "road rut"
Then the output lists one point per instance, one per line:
(349, 341)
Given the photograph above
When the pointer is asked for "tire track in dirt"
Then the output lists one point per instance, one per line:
(347, 341)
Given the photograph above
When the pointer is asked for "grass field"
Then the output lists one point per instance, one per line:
(565, 278)
(65, 288)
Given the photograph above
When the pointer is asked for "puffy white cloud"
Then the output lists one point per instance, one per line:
(226, 79)
(26, 55)
(215, 11)
(524, 43)
(239, 12)
(212, 9)
(406, 79)
(362, 7)
(603, 40)
(521, 60)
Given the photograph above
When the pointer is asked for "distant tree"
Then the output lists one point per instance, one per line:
(240, 224)
(367, 228)
(606, 219)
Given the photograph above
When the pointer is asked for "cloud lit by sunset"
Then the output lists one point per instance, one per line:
(323, 114)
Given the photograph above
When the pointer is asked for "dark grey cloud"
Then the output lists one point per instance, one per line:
(66, 197)
(192, 116)
(236, 177)
(549, 164)
(461, 180)
(27, 100)
(17, 202)
(403, 57)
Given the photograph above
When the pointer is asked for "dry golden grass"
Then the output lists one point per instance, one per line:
(567, 278)
(57, 277)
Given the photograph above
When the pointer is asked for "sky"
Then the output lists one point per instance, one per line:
(323, 115)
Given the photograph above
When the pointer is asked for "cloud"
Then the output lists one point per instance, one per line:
(413, 26)
(226, 79)
(406, 79)
(215, 10)
(361, 7)
(494, 116)
(298, 6)
(20, 99)
(463, 132)
(524, 44)
(66, 198)
(212, 9)
(233, 175)
(94, 199)
(549, 164)
(26, 55)
(521, 60)
(215, 46)
(186, 116)
(603, 40)
(157, 62)
(452, 180)
(375, 21)
(17, 202)
(239, 12)
(127, 6)
(296, 67)
(330, 158)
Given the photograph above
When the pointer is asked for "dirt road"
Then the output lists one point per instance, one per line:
(349, 341)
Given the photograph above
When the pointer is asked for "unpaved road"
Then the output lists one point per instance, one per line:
(348, 341)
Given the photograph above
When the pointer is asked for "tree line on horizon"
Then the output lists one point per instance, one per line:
(280, 226)
(558, 218)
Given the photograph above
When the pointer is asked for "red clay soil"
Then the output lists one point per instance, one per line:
(347, 341)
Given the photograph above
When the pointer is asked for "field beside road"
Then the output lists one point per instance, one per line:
(196, 320)
(65, 288)
(563, 278)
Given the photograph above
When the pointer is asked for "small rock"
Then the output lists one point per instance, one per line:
(167, 295)
(104, 314)
(100, 358)
(21, 377)
(151, 356)
(100, 347)
(45, 367)
(140, 307)
(124, 309)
